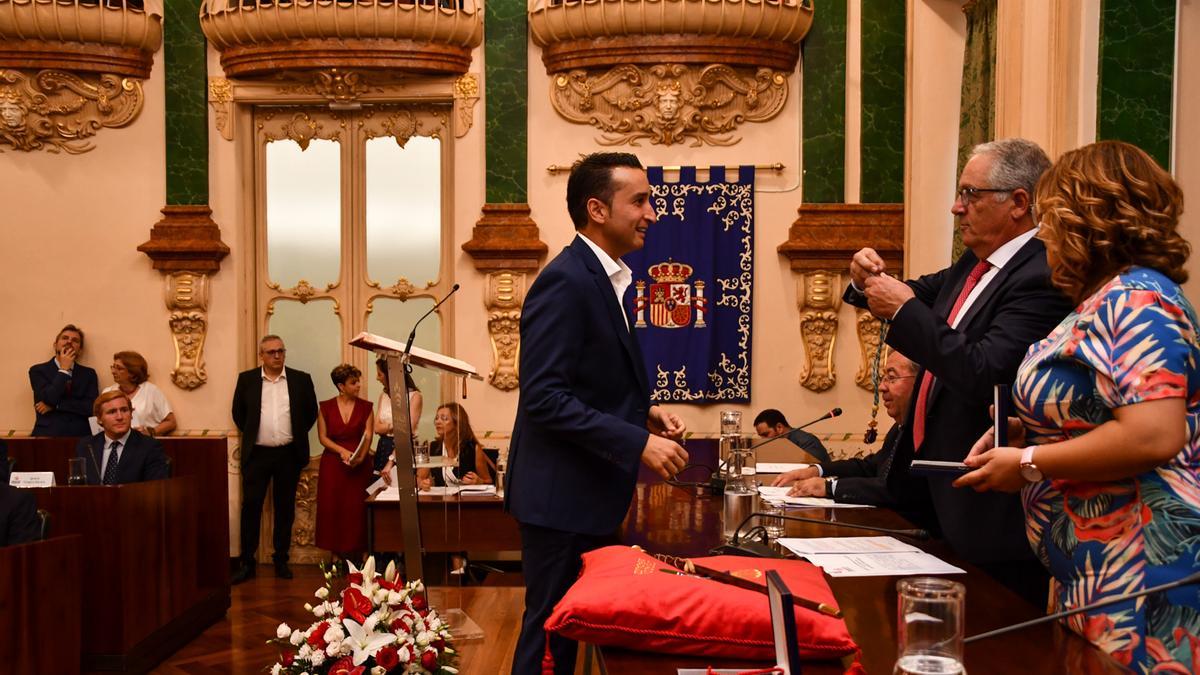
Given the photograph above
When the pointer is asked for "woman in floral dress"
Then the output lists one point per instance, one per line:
(1110, 404)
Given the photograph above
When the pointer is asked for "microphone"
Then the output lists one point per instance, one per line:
(755, 549)
(413, 335)
(829, 415)
(1188, 580)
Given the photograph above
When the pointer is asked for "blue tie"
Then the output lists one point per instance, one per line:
(110, 469)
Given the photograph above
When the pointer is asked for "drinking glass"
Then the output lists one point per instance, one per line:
(772, 522)
(738, 505)
(731, 422)
(76, 471)
(930, 626)
(420, 453)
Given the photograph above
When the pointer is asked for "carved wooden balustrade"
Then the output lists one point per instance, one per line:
(265, 37)
(109, 36)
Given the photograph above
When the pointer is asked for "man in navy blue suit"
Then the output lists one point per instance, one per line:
(63, 388)
(584, 419)
(118, 454)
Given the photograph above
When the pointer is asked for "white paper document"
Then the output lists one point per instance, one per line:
(380, 484)
(478, 490)
(779, 495)
(899, 564)
(804, 547)
(780, 467)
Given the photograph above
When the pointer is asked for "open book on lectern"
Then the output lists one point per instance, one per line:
(416, 355)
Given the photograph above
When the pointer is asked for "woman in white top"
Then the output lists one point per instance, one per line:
(383, 419)
(152, 414)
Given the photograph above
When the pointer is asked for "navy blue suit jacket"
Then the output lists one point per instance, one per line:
(142, 458)
(581, 418)
(18, 516)
(71, 410)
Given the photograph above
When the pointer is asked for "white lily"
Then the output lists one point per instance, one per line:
(365, 642)
(322, 593)
(283, 631)
(390, 572)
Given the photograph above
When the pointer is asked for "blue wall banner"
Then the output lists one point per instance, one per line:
(691, 293)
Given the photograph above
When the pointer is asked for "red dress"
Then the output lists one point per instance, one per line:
(342, 490)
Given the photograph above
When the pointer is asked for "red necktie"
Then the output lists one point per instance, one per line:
(927, 378)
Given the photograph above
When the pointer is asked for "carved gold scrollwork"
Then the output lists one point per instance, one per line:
(466, 95)
(868, 344)
(819, 303)
(187, 300)
(301, 125)
(302, 291)
(669, 103)
(402, 122)
(220, 98)
(56, 111)
(505, 293)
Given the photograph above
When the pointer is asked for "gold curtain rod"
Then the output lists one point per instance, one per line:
(554, 169)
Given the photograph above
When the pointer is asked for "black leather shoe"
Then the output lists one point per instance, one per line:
(243, 574)
(283, 571)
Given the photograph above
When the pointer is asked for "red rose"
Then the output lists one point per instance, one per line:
(438, 644)
(286, 657)
(316, 638)
(345, 666)
(418, 602)
(429, 661)
(356, 605)
(398, 625)
(387, 658)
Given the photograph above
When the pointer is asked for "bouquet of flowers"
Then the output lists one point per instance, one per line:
(378, 626)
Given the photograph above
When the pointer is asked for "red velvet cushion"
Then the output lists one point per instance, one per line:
(621, 599)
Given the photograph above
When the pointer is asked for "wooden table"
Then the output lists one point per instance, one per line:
(448, 524)
(40, 595)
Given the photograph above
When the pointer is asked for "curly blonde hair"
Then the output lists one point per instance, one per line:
(1105, 207)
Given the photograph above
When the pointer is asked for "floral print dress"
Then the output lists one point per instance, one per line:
(1134, 340)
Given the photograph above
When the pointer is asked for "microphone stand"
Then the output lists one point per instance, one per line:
(1191, 579)
(413, 335)
(758, 550)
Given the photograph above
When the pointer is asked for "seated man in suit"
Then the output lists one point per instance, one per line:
(118, 454)
(63, 388)
(18, 516)
(4, 468)
(862, 481)
(771, 423)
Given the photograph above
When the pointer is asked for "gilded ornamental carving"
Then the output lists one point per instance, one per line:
(505, 293)
(868, 343)
(669, 103)
(819, 300)
(187, 301)
(58, 111)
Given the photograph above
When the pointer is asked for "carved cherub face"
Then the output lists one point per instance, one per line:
(11, 114)
(668, 104)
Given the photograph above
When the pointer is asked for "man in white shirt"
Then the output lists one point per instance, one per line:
(274, 407)
(969, 326)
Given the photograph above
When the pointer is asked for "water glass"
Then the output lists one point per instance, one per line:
(929, 626)
(76, 471)
(420, 453)
(738, 505)
(772, 521)
(731, 422)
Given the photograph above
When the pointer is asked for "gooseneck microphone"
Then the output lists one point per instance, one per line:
(759, 550)
(1191, 579)
(829, 415)
(413, 335)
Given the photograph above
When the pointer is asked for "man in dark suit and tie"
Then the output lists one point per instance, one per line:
(19, 522)
(63, 388)
(274, 407)
(863, 481)
(969, 326)
(118, 454)
(584, 418)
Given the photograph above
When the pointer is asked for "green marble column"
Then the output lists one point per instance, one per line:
(506, 79)
(1137, 68)
(185, 60)
(824, 104)
(884, 30)
(977, 116)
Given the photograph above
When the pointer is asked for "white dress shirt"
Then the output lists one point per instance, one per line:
(150, 406)
(108, 451)
(619, 274)
(998, 259)
(275, 421)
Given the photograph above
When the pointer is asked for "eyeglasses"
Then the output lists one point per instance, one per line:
(892, 379)
(274, 352)
(968, 195)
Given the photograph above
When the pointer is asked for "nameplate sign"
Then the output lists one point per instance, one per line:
(32, 479)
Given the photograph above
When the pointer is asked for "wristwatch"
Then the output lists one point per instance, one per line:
(1029, 470)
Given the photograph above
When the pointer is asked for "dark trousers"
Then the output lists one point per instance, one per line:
(259, 468)
(550, 562)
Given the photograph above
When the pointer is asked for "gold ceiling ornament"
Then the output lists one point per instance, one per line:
(220, 99)
(466, 95)
(669, 103)
(868, 345)
(57, 111)
(339, 85)
(187, 302)
(819, 303)
(505, 294)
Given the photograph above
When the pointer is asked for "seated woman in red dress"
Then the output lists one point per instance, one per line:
(343, 427)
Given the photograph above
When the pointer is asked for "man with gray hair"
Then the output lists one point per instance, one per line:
(969, 326)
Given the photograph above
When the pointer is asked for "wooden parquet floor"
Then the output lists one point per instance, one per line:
(238, 643)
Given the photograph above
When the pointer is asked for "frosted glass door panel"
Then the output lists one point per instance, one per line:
(394, 319)
(404, 210)
(304, 212)
(312, 334)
